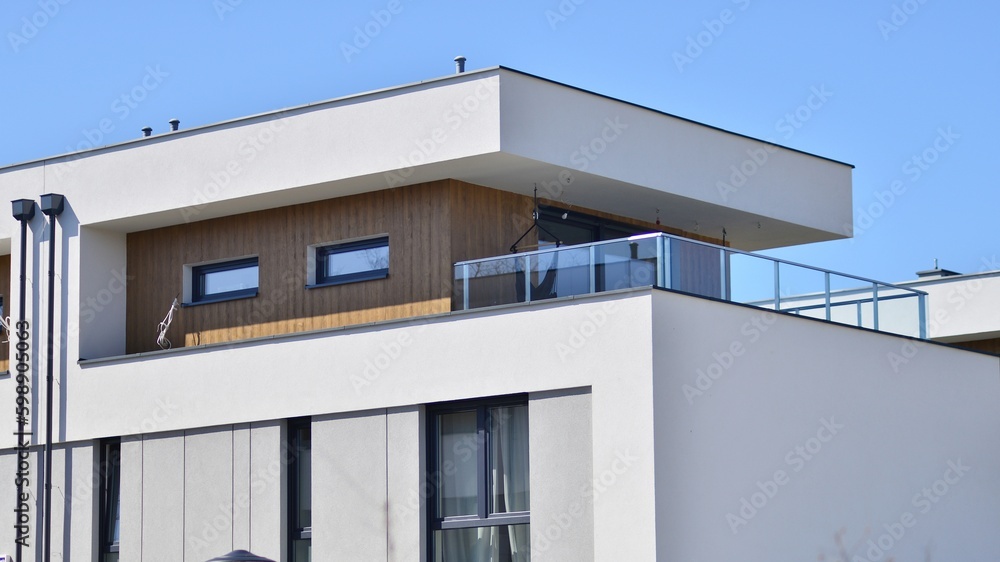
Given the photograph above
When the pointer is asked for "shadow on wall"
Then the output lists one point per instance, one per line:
(868, 548)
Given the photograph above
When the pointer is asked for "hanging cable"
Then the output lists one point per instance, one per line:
(5, 325)
(536, 226)
(162, 327)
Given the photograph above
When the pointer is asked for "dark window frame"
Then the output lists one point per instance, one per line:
(109, 471)
(600, 228)
(198, 273)
(324, 252)
(483, 517)
(296, 534)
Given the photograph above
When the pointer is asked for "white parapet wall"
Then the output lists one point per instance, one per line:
(775, 433)
(662, 426)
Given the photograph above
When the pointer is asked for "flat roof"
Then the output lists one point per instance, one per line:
(339, 99)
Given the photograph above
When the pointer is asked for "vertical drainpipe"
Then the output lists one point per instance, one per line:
(23, 211)
(52, 206)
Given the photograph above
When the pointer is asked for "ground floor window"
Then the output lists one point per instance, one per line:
(300, 490)
(479, 477)
(110, 520)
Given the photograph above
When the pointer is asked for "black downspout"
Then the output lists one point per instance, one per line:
(24, 211)
(52, 206)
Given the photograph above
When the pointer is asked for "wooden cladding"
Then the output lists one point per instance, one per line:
(986, 346)
(7, 301)
(429, 226)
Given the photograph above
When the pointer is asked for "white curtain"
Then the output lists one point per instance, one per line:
(508, 487)
(458, 489)
(510, 480)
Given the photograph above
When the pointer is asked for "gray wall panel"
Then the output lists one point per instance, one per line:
(562, 491)
(268, 493)
(349, 474)
(163, 498)
(405, 467)
(241, 486)
(208, 493)
(131, 490)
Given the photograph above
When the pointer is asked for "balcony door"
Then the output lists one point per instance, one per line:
(617, 264)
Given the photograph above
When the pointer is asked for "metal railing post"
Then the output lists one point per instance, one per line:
(527, 278)
(875, 306)
(726, 286)
(660, 266)
(777, 285)
(593, 269)
(668, 270)
(827, 275)
(465, 287)
(922, 315)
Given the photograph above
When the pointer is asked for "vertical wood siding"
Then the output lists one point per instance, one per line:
(430, 227)
(415, 219)
(5, 277)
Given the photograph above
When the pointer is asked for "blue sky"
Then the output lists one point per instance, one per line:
(904, 80)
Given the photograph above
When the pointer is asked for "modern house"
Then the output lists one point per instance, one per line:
(386, 348)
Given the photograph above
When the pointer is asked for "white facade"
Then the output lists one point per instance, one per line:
(653, 414)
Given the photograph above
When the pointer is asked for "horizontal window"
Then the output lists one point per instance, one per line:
(224, 280)
(363, 260)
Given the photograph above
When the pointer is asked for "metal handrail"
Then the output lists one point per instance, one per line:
(663, 279)
(690, 241)
(561, 248)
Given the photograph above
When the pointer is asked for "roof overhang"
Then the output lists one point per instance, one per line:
(496, 127)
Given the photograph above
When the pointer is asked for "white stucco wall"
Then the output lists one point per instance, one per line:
(635, 454)
(596, 139)
(739, 390)
(168, 397)
(197, 173)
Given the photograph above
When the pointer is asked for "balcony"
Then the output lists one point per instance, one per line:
(693, 267)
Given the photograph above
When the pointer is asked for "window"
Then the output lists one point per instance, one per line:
(362, 260)
(579, 228)
(479, 511)
(224, 280)
(110, 492)
(300, 510)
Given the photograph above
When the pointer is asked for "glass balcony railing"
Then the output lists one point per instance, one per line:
(694, 267)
